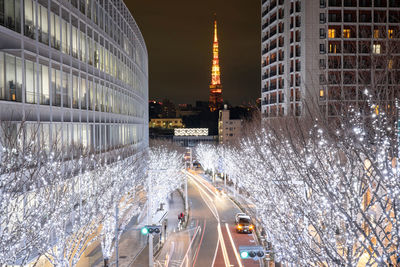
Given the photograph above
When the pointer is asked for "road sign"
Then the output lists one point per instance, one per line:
(151, 229)
(251, 252)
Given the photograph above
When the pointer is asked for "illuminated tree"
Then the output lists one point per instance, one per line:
(327, 191)
(165, 167)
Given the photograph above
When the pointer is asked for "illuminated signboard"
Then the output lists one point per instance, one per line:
(191, 131)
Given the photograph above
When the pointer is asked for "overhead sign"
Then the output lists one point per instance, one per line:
(191, 131)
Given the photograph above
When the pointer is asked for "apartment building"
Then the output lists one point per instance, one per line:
(327, 51)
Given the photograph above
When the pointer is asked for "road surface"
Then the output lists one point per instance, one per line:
(211, 238)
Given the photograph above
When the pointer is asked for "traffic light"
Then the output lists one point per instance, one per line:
(151, 229)
(251, 252)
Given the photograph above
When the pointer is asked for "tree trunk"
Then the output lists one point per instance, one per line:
(106, 262)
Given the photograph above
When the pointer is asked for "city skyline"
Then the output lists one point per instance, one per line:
(183, 40)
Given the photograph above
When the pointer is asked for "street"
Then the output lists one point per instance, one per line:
(210, 238)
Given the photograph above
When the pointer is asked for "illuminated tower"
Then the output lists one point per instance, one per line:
(215, 101)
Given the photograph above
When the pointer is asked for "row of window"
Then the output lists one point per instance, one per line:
(84, 44)
(361, 3)
(51, 86)
(67, 136)
(350, 33)
(364, 48)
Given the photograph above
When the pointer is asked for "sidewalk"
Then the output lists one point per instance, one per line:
(175, 206)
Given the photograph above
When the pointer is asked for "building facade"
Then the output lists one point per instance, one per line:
(324, 50)
(79, 67)
(228, 130)
(166, 123)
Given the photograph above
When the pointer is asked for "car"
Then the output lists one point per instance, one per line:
(219, 191)
(238, 215)
(244, 224)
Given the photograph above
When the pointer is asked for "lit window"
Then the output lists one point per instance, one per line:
(376, 48)
(376, 33)
(333, 48)
(321, 93)
(390, 33)
(390, 64)
(346, 33)
(331, 33)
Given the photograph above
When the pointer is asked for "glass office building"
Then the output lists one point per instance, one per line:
(79, 67)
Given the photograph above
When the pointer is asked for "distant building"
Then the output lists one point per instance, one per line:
(155, 109)
(167, 123)
(168, 109)
(228, 130)
(186, 110)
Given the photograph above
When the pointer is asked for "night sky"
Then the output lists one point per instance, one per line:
(178, 35)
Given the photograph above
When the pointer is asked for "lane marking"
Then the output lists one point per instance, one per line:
(234, 246)
(215, 254)
(169, 255)
(201, 180)
(190, 245)
(201, 241)
(224, 251)
(213, 209)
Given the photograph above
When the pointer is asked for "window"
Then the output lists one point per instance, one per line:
(334, 48)
(10, 88)
(390, 33)
(64, 36)
(321, 93)
(346, 33)
(83, 47)
(74, 42)
(322, 3)
(322, 18)
(18, 84)
(322, 48)
(45, 90)
(322, 64)
(321, 79)
(11, 7)
(331, 33)
(376, 48)
(44, 29)
(75, 91)
(30, 82)
(83, 93)
(322, 33)
(376, 33)
(390, 64)
(29, 19)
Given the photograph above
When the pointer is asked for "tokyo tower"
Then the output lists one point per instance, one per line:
(215, 100)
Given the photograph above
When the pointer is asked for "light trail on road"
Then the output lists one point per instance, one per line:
(234, 246)
(223, 247)
(201, 241)
(214, 211)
